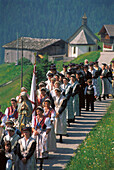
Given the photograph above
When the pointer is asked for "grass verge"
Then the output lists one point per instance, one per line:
(96, 152)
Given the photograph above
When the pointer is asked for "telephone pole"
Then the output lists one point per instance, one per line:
(22, 65)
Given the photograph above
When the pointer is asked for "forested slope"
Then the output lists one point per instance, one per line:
(50, 18)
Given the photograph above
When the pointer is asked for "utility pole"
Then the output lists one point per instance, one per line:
(17, 49)
(22, 65)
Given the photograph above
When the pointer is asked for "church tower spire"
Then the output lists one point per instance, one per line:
(84, 19)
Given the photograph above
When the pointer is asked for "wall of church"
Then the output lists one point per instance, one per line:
(76, 50)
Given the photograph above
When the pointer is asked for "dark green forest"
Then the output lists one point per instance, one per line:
(50, 18)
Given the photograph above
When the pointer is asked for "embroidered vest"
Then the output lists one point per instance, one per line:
(90, 90)
(12, 113)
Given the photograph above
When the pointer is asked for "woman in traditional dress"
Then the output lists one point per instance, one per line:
(25, 151)
(60, 121)
(67, 92)
(75, 95)
(50, 112)
(41, 126)
(104, 81)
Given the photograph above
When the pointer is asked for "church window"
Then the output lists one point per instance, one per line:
(74, 50)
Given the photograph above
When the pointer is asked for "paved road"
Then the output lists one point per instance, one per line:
(77, 133)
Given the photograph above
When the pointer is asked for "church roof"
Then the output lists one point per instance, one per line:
(31, 43)
(109, 29)
(83, 36)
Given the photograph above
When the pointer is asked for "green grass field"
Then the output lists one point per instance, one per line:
(91, 56)
(10, 71)
(97, 150)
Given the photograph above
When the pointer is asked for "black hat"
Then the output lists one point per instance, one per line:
(89, 80)
(66, 78)
(62, 75)
(91, 63)
(50, 74)
(86, 66)
(104, 64)
(43, 89)
(96, 62)
(70, 64)
(81, 64)
(65, 66)
(112, 61)
(27, 129)
(40, 108)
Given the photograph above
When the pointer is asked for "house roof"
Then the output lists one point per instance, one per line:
(83, 35)
(31, 43)
(109, 29)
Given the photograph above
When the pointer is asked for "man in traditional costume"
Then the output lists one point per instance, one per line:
(25, 151)
(24, 110)
(64, 71)
(90, 93)
(60, 121)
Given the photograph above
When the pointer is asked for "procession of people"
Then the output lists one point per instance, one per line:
(26, 139)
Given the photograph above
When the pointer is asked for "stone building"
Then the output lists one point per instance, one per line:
(82, 41)
(30, 46)
(107, 37)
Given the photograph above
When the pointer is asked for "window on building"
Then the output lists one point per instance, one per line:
(74, 50)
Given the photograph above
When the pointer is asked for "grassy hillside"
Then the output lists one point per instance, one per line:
(7, 73)
(91, 56)
(10, 71)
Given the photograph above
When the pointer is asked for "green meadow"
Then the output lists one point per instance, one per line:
(97, 150)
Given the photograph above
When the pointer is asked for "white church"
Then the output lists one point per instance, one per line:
(82, 41)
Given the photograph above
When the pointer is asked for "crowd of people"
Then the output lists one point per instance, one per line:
(27, 138)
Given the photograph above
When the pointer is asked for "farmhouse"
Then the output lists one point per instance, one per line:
(107, 37)
(82, 41)
(30, 46)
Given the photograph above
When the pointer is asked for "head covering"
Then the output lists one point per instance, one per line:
(50, 74)
(27, 129)
(112, 61)
(23, 93)
(73, 75)
(23, 88)
(104, 64)
(57, 89)
(10, 129)
(43, 89)
(40, 108)
(13, 99)
(86, 66)
(91, 63)
(9, 122)
(89, 80)
(48, 100)
(65, 66)
(66, 78)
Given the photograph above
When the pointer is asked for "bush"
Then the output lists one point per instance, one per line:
(25, 61)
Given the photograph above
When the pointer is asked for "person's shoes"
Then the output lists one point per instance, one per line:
(99, 98)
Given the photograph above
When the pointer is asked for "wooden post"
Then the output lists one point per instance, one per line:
(22, 65)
